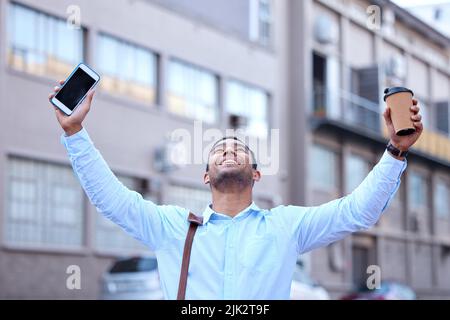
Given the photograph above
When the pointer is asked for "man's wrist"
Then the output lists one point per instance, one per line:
(396, 151)
(73, 130)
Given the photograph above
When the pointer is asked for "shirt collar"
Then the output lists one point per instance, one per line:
(209, 211)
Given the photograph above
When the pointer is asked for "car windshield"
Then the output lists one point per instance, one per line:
(135, 265)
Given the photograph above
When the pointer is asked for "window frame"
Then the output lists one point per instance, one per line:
(196, 68)
(129, 44)
(331, 189)
(445, 183)
(368, 168)
(47, 220)
(256, 19)
(51, 39)
(249, 87)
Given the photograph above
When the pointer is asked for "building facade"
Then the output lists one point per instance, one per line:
(354, 55)
(313, 70)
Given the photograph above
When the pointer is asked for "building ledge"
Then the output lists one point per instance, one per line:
(371, 138)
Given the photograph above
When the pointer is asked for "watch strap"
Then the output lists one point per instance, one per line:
(396, 152)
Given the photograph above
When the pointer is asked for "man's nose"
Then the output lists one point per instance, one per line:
(229, 150)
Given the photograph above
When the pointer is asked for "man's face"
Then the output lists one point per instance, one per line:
(230, 164)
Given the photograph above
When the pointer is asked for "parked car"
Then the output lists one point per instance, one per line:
(389, 290)
(134, 278)
(306, 288)
(137, 278)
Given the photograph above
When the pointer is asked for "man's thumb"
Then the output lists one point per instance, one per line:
(90, 96)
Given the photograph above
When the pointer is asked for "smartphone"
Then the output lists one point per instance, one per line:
(75, 88)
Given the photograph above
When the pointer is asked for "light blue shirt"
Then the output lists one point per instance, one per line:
(250, 256)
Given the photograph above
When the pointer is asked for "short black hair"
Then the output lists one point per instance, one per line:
(254, 164)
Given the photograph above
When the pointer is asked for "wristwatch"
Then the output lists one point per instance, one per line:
(396, 152)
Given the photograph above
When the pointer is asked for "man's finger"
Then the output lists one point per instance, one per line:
(387, 116)
(61, 82)
(418, 125)
(415, 102)
(415, 109)
(416, 117)
(56, 88)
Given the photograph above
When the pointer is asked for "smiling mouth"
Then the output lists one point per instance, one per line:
(229, 162)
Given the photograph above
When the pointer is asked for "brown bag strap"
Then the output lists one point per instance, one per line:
(194, 222)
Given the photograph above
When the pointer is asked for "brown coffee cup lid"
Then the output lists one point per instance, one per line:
(394, 90)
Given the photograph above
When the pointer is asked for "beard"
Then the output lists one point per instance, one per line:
(232, 180)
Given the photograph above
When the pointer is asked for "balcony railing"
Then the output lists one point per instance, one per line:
(365, 115)
(347, 107)
(432, 143)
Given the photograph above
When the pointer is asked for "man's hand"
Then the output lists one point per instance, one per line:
(73, 123)
(403, 143)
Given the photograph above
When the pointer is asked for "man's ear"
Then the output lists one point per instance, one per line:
(206, 178)
(256, 175)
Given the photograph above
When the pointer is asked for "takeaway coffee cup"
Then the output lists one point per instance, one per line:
(399, 100)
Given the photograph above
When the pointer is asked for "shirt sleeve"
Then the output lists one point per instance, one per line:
(152, 224)
(318, 226)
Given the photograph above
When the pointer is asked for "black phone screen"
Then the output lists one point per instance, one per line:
(75, 88)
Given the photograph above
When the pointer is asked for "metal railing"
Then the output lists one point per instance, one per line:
(347, 107)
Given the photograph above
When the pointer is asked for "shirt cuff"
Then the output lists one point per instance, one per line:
(76, 142)
(391, 167)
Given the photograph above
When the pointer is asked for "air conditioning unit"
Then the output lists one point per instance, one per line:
(325, 30)
(396, 67)
(171, 156)
(236, 121)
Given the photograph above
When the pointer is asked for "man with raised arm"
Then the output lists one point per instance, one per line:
(240, 251)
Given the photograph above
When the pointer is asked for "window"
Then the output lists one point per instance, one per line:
(41, 44)
(363, 106)
(356, 170)
(127, 69)
(323, 162)
(442, 117)
(193, 199)
(249, 105)
(424, 105)
(417, 192)
(397, 199)
(261, 21)
(109, 236)
(441, 200)
(192, 92)
(44, 204)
